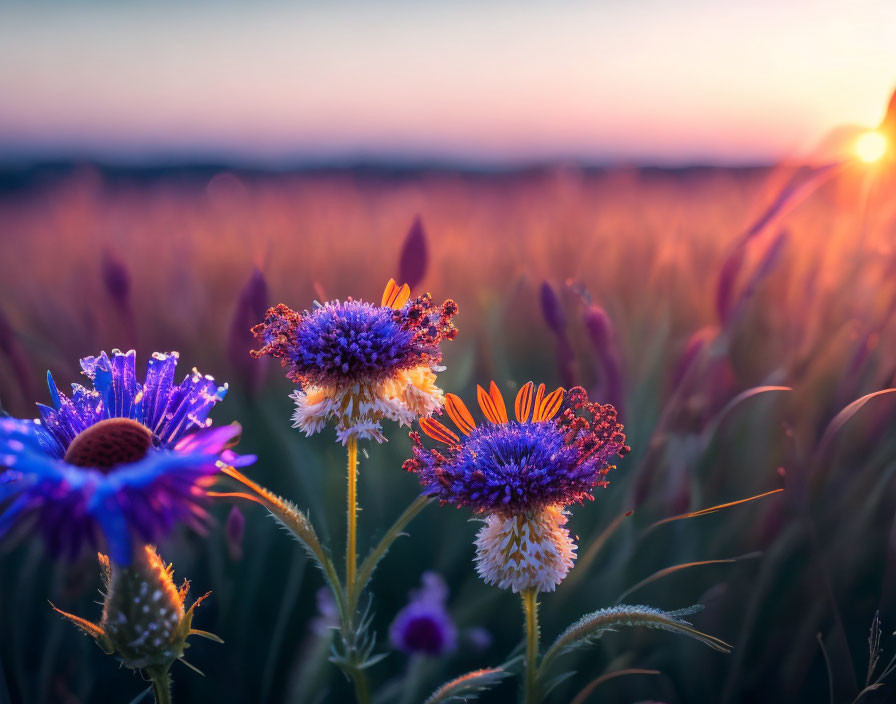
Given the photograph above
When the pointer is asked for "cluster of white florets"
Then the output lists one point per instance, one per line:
(356, 409)
(524, 551)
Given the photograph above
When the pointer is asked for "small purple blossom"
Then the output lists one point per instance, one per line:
(124, 461)
(424, 626)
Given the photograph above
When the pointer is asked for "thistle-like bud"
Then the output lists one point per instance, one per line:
(145, 622)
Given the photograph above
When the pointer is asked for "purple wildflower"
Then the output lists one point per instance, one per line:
(124, 460)
(515, 466)
(424, 625)
(357, 363)
(522, 474)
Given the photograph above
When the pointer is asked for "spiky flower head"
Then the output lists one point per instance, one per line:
(145, 620)
(424, 626)
(547, 456)
(356, 363)
(123, 461)
(522, 474)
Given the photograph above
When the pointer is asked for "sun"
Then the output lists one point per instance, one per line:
(871, 146)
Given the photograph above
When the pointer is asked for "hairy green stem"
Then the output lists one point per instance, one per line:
(357, 675)
(161, 684)
(351, 550)
(530, 613)
(359, 680)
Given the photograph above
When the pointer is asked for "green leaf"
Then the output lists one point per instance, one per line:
(844, 416)
(666, 571)
(714, 424)
(467, 687)
(592, 626)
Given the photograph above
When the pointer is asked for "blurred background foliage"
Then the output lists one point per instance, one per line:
(648, 287)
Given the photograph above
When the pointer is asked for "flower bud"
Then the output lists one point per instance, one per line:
(144, 622)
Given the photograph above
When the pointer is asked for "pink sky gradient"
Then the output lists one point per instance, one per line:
(492, 82)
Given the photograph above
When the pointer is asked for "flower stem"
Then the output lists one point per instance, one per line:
(530, 612)
(161, 684)
(351, 550)
(357, 675)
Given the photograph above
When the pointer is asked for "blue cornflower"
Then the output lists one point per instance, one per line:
(356, 363)
(522, 474)
(424, 626)
(123, 461)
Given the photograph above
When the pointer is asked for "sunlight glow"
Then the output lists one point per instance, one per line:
(871, 146)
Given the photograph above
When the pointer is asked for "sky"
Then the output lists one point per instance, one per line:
(640, 81)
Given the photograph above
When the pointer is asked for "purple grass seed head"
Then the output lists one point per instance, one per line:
(414, 255)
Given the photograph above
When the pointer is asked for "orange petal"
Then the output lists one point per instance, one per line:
(402, 297)
(496, 396)
(550, 405)
(487, 404)
(459, 414)
(523, 404)
(437, 431)
(389, 293)
(539, 396)
(396, 296)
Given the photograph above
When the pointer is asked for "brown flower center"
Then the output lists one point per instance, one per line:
(109, 443)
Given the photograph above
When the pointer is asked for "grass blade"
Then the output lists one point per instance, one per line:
(709, 510)
(666, 571)
(597, 682)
